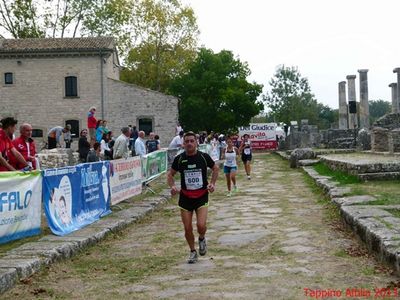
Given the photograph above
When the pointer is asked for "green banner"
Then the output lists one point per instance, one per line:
(154, 164)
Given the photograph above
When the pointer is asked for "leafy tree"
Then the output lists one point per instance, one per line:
(19, 18)
(326, 116)
(290, 98)
(165, 41)
(215, 94)
(377, 109)
(62, 18)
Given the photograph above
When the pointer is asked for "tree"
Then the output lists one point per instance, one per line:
(326, 116)
(215, 94)
(19, 18)
(377, 109)
(165, 41)
(64, 18)
(290, 98)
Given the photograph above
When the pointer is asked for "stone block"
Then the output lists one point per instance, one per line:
(8, 278)
(25, 266)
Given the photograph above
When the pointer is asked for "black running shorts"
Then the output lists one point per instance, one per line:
(191, 204)
(246, 157)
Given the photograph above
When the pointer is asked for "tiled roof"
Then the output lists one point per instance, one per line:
(56, 44)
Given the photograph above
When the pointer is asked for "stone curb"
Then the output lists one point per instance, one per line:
(27, 259)
(374, 225)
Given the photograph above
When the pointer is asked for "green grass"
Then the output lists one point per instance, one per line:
(395, 212)
(382, 201)
(339, 176)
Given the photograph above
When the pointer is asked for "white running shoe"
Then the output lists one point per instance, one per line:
(202, 247)
(192, 257)
(229, 194)
(248, 177)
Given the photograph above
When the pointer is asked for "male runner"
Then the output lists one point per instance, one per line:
(193, 196)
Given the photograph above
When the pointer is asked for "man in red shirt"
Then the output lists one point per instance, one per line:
(6, 146)
(26, 146)
(91, 124)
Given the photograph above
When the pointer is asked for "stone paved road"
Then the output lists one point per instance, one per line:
(270, 241)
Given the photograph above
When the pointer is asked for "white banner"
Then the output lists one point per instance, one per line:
(20, 204)
(125, 178)
(261, 135)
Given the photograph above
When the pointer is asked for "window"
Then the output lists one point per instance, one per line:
(37, 133)
(74, 127)
(71, 86)
(146, 124)
(8, 78)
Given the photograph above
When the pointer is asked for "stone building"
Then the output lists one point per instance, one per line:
(50, 82)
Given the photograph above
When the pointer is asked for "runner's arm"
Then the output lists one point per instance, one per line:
(214, 177)
(171, 181)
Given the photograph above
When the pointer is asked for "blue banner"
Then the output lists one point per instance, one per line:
(76, 196)
(20, 205)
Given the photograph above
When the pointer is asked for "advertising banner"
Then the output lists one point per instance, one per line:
(154, 164)
(76, 196)
(261, 135)
(125, 178)
(20, 205)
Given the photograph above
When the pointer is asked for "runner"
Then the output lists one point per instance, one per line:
(193, 196)
(230, 165)
(245, 151)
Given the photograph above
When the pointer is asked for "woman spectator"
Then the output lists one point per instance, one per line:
(100, 130)
(106, 151)
(83, 145)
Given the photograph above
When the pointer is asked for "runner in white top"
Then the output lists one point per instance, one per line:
(230, 165)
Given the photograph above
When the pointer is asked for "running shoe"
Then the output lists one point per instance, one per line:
(229, 194)
(193, 257)
(248, 177)
(235, 189)
(202, 247)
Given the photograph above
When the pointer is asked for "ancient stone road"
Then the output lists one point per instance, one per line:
(272, 240)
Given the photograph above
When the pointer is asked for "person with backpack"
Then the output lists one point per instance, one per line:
(192, 165)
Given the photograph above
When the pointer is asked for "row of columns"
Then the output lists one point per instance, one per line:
(347, 116)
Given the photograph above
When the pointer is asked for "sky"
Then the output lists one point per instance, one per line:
(326, 39)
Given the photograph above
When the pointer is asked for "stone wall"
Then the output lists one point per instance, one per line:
(128, 103)
(339, 138)
(385, 134)
(57, 158)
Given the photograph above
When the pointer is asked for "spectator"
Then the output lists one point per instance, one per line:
(105, 128)
(177, 142)
(91, 124)
(68, 137)
(152, 144)
(157, 138)
(83, 145)
(106, 151)
(94, 154)
(178, 129)
(7, 148)
(140, 148)
(26, 146)
(99, 130)
(134, 136)
(54, 135)
(121, 146)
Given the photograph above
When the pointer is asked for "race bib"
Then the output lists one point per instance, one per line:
(247, 151)
(193, 179)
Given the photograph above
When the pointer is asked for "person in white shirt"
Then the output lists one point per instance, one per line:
(121, 146)
(177, 142)
(178, 129)
(140, 148)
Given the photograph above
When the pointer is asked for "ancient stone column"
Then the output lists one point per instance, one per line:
(351, 87)
(342, 106)
(395, 100)
(397, 70)
(364, 105)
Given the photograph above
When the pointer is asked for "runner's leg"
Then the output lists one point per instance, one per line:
(228, 181)
(201, 214)
(187, 224)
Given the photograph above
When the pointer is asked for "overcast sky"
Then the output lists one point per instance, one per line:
(325, 39)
